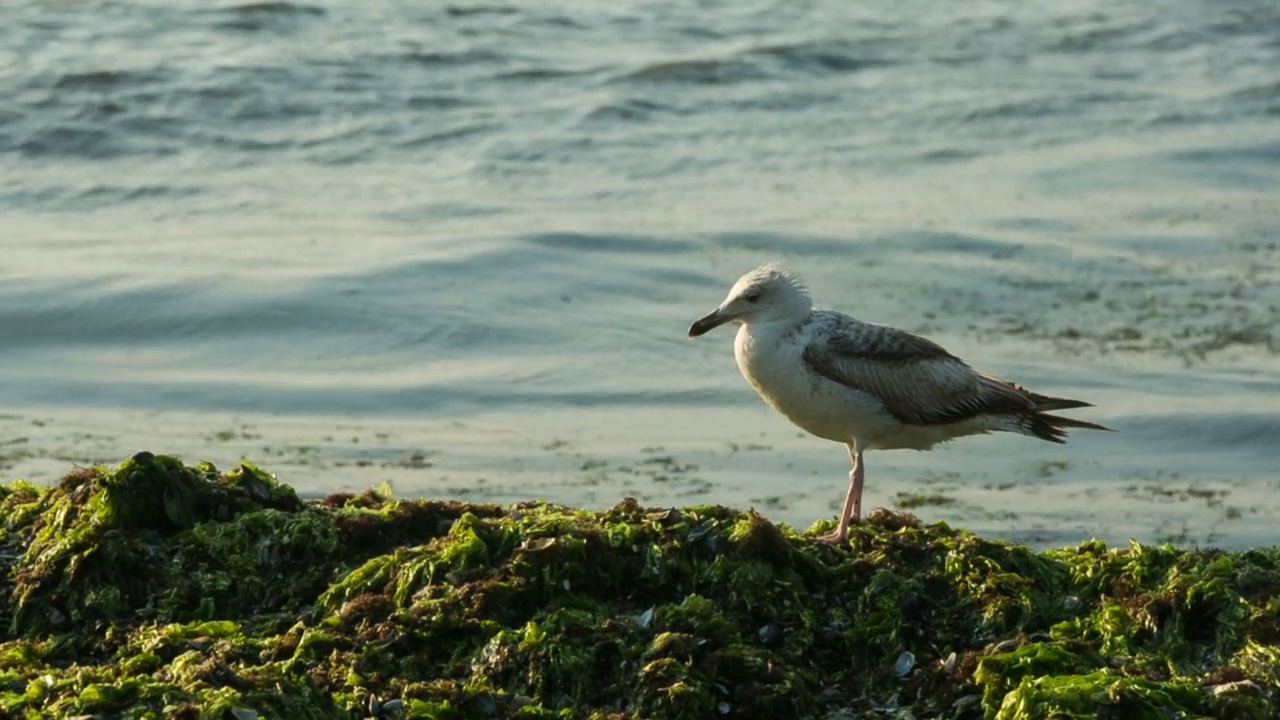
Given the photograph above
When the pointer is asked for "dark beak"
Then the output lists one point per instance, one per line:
(707, 323)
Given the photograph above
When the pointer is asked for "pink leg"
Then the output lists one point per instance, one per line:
(852, 502)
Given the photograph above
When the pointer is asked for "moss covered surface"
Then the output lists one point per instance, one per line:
(160, 590)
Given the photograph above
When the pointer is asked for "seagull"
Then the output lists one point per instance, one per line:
(868, 386)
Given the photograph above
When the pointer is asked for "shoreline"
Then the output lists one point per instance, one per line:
(1032, 493)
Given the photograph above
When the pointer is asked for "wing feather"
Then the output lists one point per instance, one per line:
(919, 382)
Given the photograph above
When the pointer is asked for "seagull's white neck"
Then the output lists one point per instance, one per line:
(767, 332)
(774, 325)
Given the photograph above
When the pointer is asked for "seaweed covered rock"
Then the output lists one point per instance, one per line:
(161, 590)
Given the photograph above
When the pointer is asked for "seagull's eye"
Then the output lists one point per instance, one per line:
(753, 296)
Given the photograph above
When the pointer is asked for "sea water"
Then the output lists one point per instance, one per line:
(456, 247)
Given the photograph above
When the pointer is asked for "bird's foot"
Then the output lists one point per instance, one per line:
(836, 537)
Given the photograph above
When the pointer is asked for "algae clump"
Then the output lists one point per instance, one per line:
(157, 589)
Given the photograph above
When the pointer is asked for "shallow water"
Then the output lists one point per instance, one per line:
(457, 247)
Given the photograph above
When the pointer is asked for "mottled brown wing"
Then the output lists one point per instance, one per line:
(917, 380)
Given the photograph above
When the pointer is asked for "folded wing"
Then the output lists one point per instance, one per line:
(920, 383)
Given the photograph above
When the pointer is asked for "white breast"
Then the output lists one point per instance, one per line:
(770, 357)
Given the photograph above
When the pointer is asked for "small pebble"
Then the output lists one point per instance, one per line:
(1245, 687)
(485, 705)
(644, 619)
(669, 515)
(770, 635)
(905, 664)
(718, 544)
(885, 707)
(537, 544)
(1008, 645)
(395, 705)
(701, 531)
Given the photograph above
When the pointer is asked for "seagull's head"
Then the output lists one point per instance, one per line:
(769, 293)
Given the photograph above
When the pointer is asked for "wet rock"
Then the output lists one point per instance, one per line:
(485, 705)
(718, 544)
(701, 531)
(254, 485)
(538, 544)
(830, 696)
(911, 607)
(1243, 699)
(666, 517)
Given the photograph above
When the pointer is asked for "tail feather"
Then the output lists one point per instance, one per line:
(1044, 402)
(1035, 420)
(1053, 427)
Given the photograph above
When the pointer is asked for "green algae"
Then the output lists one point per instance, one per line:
(156, 589)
